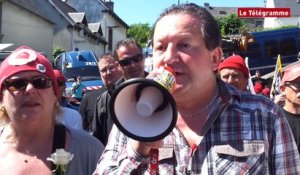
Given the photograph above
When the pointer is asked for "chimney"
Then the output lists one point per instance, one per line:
(109, 4)
(206, 5)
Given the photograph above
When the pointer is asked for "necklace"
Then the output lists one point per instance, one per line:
(202, 110)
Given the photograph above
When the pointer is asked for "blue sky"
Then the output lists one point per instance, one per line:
(146, 11)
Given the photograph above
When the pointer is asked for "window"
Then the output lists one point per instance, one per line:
(288, 47)
(223, 12)
(110, 37)
(57, 62)
(254, 51)
(271, 48)
(258, 23)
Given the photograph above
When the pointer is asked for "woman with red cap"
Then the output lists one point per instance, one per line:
(30, 135)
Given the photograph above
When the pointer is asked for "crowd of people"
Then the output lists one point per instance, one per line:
(222, 126)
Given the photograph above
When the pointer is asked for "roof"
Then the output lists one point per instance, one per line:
(95, 27)
(63, 9)
(63, 6)
(111, 12)
(116, 17)
(220, 11)
(78, 17)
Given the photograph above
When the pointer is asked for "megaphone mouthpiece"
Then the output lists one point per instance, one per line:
(150, 99)
(144, 109)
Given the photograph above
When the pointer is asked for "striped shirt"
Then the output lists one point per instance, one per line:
(245, 134)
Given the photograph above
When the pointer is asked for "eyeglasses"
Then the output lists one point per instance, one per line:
(127, 61)
(294, 85)
(110, 67)
(19, 84)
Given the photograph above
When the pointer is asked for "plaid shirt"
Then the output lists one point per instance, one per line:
(245, 134)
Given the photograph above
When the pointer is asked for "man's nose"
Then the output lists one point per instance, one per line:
(170, 54)
(230, 79)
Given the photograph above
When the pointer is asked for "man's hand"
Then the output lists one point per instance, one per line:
(143, 148)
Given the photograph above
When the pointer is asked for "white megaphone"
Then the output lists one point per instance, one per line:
(144, 109)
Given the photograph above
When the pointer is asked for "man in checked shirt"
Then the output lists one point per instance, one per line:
(219, 130)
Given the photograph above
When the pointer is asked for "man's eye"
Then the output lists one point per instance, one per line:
(225, 76)
(184, 45)
(158, 48)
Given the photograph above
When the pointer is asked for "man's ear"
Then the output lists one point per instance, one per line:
(216, 58)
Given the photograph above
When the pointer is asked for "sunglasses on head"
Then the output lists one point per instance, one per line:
(19, 84)
(127, 61)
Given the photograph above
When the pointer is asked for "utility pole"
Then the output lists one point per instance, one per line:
(178, 2)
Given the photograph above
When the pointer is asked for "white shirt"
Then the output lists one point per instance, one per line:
(70, 118)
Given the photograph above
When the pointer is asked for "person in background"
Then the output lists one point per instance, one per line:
(266, 91)
(29, 131)
(109, 72)
(219, 129)
(69, 117)
(77, 88)
(129, 55)
(258, 89)
(258, 80)
(234, 71)
(65, 101)
(290, 90)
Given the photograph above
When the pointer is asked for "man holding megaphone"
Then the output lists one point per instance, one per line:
(219, 130)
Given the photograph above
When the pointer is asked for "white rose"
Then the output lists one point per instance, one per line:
(61, 157)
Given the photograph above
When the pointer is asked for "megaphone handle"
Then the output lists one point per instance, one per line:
(139, 90)
(154, 161)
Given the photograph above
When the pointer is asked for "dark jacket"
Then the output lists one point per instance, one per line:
(102, 120)
(87, 107)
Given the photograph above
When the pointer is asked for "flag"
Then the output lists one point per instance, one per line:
(250, 83)
(275, 89)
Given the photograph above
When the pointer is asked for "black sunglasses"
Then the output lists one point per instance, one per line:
(127, 61)
(61, 82)
(19, 84)
(293, 85)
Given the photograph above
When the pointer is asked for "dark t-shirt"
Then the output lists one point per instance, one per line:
(294, 122)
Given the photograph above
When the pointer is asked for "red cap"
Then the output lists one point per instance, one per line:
(235, 62)
(266, 91)
(258, 88)
(59, 75)
(26, 59)
(291, 73)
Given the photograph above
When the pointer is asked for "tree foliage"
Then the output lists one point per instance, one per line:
(140, 32)
(229, 25)
(57, 51)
